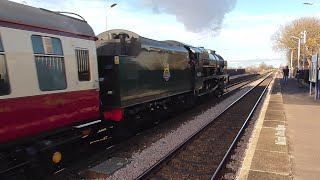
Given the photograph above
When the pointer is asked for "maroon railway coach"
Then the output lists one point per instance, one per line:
(49, 90)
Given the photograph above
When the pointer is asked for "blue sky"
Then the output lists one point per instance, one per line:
(244, 37)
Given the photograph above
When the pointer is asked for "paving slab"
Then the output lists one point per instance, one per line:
(268, 141)
(276, 106)
(275, 103)
(273, 162)
(273, 123)
(258, 175)
(275, 98)
(274, 115)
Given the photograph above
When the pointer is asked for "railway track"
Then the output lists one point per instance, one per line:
(240, 79)
(203, 155)
(237, 83)
(100, 154)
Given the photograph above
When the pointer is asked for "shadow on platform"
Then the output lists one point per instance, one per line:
(293, 93)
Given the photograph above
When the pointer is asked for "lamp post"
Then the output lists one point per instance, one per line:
(113, 5)
(298, 50)
(291, 64)
(304, 41)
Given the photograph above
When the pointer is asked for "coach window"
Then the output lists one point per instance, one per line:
(49, 63)
(4, 80)
(83, 65)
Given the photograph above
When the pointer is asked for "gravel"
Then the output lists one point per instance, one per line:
(144, 159)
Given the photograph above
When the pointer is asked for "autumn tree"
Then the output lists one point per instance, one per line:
(282, 40)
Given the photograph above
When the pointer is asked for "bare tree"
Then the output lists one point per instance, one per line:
(282, 40)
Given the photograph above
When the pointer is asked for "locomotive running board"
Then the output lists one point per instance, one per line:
(87, 124)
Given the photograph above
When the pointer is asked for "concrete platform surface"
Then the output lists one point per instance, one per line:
(303, 124)
(284, 144)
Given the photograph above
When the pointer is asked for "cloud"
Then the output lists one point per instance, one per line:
(197, 16)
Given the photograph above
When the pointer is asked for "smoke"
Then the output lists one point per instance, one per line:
(196, 15)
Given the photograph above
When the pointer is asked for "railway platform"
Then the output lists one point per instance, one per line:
(284, 142)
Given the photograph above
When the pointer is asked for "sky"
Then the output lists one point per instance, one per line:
(239, 30)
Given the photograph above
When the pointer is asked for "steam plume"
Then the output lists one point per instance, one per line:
(196, 15)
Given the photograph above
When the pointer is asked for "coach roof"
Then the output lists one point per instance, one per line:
(26, 15)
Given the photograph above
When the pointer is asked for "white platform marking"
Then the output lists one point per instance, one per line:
(281, 135)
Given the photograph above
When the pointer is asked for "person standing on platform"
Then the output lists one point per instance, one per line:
(300, 77)
(285, 74)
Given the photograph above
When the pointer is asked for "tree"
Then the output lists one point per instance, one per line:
(282, 40)
(263, 66)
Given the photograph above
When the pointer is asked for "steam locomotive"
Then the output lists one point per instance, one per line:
(63, 87)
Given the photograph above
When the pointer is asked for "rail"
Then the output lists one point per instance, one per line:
(238, 135)
(154, 168)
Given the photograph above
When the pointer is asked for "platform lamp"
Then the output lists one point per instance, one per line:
(291, 63)
(303, 36)
(113, 5)
(299, 40)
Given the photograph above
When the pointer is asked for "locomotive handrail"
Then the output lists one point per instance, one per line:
(65, 12)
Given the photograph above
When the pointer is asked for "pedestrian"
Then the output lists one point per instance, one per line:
(300, 77)
(285, 74)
